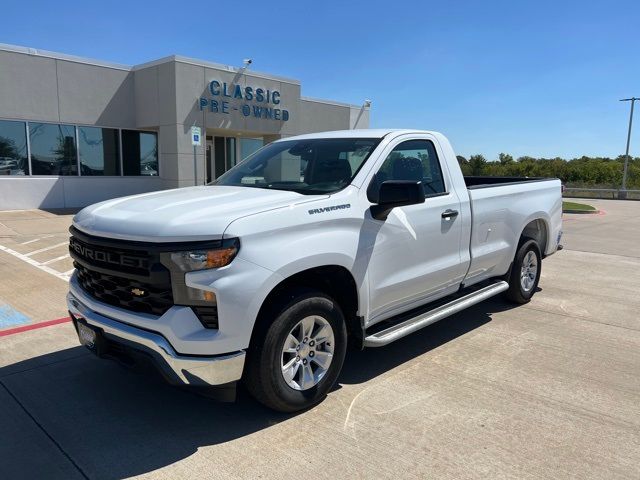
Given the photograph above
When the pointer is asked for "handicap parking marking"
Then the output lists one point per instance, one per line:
(10, 317)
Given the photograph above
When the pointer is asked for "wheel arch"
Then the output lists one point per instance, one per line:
(335, 281)
(536, 229)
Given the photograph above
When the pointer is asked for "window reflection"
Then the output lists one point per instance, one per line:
(53, 149)
(140, 153)
(249, 146)
(13, 148)
(99, 151)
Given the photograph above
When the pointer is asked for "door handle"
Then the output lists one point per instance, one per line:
(447, 214)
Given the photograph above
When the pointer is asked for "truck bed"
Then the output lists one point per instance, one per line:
(510, 201)
(487, 181)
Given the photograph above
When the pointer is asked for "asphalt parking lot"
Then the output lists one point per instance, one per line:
(546, 390)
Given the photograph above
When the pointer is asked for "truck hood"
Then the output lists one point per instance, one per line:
(184, 214)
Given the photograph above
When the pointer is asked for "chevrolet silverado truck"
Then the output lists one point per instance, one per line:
(311, 244)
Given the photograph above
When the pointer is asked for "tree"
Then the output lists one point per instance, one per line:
(596, 172)
(505, 159)
(8, 148)
(477, 164)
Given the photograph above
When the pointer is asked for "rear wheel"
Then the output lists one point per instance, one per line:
(525, 272)
(299, 359)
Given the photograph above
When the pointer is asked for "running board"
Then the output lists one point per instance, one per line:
(411, 325)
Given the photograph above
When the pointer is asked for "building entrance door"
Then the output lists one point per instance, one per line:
(221, 156)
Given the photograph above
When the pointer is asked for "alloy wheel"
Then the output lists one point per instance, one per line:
(307, 353)
(529, 271)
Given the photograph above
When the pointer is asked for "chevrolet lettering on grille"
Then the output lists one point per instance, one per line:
(102, 256)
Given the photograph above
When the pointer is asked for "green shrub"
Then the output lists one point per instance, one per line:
(595, 172)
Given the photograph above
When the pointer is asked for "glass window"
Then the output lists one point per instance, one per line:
(139, 152)
(13, 148)
(309, 167)
(53, 149)
(231, 152)
(218, 152)
(414, 160)
(249, 146)
(99, 151)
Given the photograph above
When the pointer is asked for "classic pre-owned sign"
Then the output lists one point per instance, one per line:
(258, 102)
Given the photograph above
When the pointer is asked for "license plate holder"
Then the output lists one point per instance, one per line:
(91, 337)
(87, 335)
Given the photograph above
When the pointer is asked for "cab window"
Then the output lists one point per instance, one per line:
(414, 160)
(307, 166)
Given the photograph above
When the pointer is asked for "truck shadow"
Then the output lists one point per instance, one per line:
(362, 366)
(115, 423)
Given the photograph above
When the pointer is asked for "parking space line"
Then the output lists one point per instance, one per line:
(53, 260)
(46, 248)
(36, 239)
(33, 326)
(30, 241)
(69, 272)
(36, 264)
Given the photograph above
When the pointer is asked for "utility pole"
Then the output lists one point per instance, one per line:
(623, 193)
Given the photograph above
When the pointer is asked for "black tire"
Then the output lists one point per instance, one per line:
(263, 374)
(517, 293)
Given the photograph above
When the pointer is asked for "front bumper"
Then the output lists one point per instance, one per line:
(194, 370)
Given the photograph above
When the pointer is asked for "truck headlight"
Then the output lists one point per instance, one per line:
(182, 262)
(193, 260)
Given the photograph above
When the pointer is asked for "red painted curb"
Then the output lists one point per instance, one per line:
(34, 326)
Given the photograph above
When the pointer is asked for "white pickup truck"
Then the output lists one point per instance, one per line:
(313, 242)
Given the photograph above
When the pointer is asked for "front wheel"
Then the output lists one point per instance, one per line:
(301, 355)
(525, 273)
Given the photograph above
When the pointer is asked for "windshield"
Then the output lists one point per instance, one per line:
(309, 167)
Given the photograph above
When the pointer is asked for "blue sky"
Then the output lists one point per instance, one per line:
(527, 78)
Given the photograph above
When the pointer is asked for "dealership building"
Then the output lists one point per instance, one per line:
(74, 131)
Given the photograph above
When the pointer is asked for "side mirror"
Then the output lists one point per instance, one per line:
(396, 193)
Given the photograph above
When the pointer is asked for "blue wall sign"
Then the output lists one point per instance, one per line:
(252, 102)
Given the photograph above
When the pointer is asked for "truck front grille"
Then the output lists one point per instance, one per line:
(130, 274)
(124, 274)
(124, 292)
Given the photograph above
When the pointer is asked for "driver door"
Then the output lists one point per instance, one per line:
(416, 254)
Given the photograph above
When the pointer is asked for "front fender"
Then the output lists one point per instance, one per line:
(240, 289)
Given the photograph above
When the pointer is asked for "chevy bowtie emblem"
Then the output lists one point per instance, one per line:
(137, 292)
